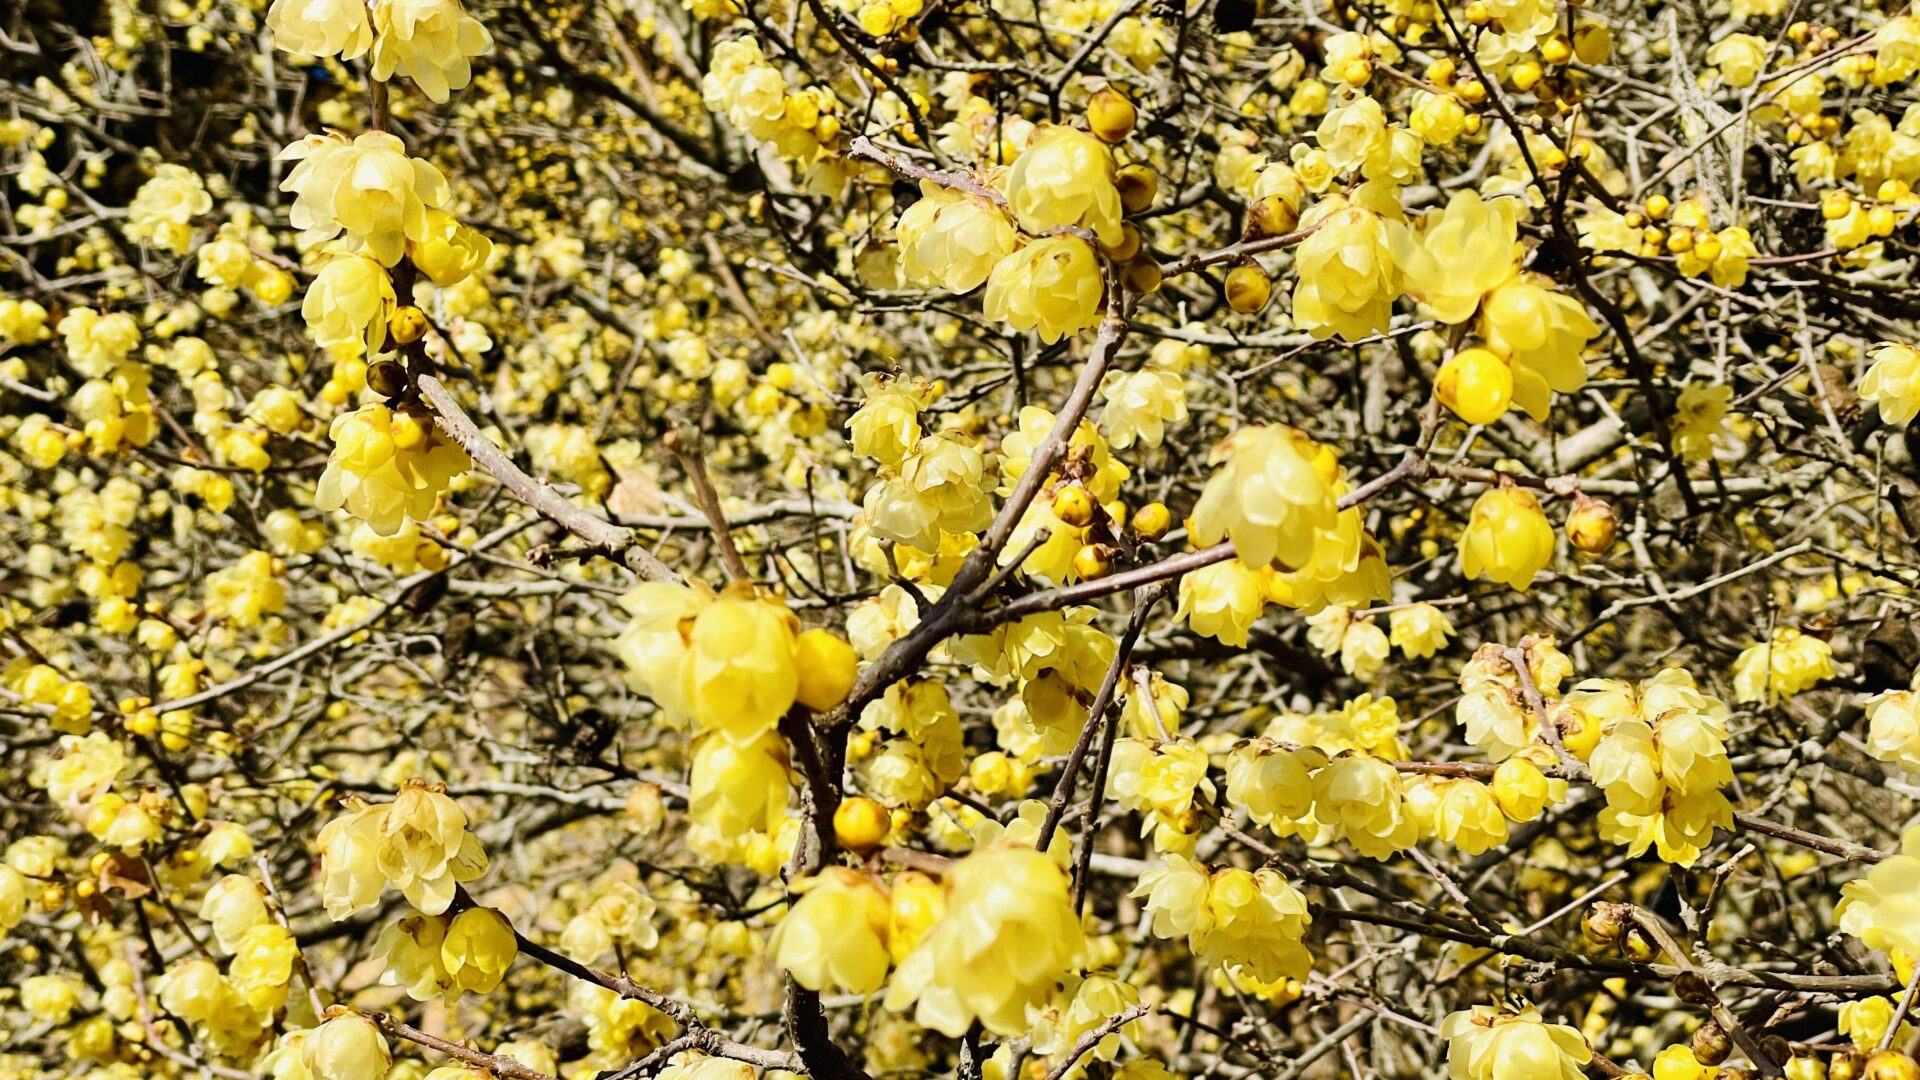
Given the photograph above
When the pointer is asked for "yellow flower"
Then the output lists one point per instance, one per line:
(1782, 667)
(163, 210)
(1158, 777)
(1350, 133)
(1543, 334)
(1893, 382)
(1052, 285)
(942, 487)
(425, 848)
(411, 949)
(478, 948)
(1347, 274)
(1521, 789)
(233, 905)
(97, 343)
(1363, 649)
(348, 305)
(1419, 631)
(1360, 796)
(50, 999)
(428, 41)
(347, 1047)
(321, 27)
(1508, 538)
(369, 188)
(952, 239)
(836, 933)
(886, 427)
(23, 322)
(1893, 729)
(1882, 909)
(1274, 784)
(1484, 1043)
(655, 642)
(262, 965)
(738, 788)
(1460, 254)
(692, 1065)
(1469, 817)
(1272, 494)
(387, 467)
(1222, 601)
(1140, 405)
(1065, 177)
(1700, 415)
(738, 675)
(1739, 57)
(448, 250)
(1009, 933)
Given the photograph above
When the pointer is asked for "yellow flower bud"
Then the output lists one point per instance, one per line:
(861, 824)
(1475, 385)
(826, 666)
(1110, 116)
(1591, 525)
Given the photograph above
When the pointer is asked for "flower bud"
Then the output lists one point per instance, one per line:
(1129, 245)
(1711, 1044)
(1110, 116)
(1272, 216)
(1152, 521)
(1093, 561)
(406, 324)
(1142, 276)
(1074, 506)
(1475, 385)
(860, 824)
(1603, 923)
(1889, 1065)
(826, 666)
(1846, 1065)
(1248, 289)
(1591, 526)
(1138, 185)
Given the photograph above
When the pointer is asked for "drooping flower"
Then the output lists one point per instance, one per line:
(431, 42)
(368, 188)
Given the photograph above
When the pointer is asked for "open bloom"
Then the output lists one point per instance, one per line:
(348, 305)
(1893, 382)
(387, 466)
(952, 239)
(1272, 495)
(321, 27)
(836, 934)
(1052, 285)
(1009, 933)
(1460, 254)
(368, 188)
(1065, 177)
(428, 41)
(1485, 1043)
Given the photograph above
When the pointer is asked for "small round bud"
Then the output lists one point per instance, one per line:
(1110, 116)
(1272, 216)
(387, 379)
(1603, 923)
(1142, 276)
(1889, 1065)
(1556, 50)
(1846, 1065)
(860, 823)
(1138, 185)
(1638, 945)
(406, 324)
(826, 665)
(1476, 385)
(1093, 561)
(1073, 505)
(1525, 75)
(1592, 43)
(1657, 206)
(1128, 245)
(1711, 1044)
(1248, 289)
(1592, 525)
(1152, 521)
(1479, 13)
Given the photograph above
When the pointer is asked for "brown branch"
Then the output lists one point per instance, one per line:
(606, 538)
(504, 1067)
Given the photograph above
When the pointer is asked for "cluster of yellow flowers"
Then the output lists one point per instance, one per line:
(1780, 667)
(418, 844)
(1661, 759)
(1252, 920)
(1007, 936)
(429, 41)
(731, 666)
